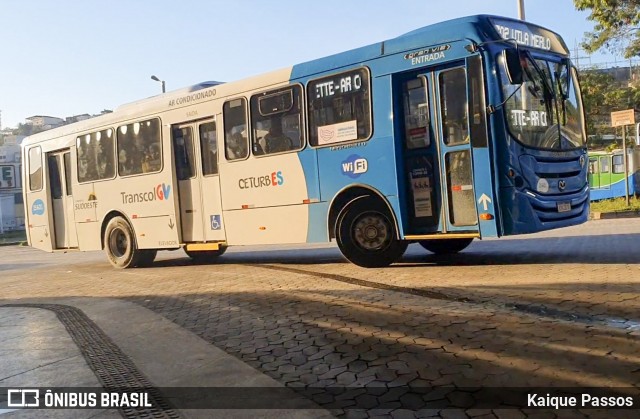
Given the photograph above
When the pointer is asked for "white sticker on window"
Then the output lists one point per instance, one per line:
(344, 131)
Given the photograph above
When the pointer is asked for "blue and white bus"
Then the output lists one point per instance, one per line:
(607, 174)
(465, 129)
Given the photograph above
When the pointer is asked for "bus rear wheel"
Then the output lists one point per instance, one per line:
(120, 244)
(367, 236)
(445, 246)
(207, 255)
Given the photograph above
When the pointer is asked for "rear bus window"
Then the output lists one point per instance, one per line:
(339, 108)
(139, 148)
(35, 169)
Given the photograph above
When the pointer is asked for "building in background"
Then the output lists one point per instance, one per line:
(45, 122)
(11, 204)
(76, 118)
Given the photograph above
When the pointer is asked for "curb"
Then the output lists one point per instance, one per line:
(613, 215)
(18, 243)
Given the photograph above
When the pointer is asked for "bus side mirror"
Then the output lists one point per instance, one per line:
(513, 66)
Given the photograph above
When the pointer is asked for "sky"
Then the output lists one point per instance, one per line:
(63, 58)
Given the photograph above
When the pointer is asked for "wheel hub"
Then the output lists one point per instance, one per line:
(371, 231)
(118, 243)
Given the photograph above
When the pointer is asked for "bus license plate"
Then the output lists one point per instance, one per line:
(564, 206)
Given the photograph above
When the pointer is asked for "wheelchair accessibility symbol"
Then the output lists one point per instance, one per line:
(216, 224)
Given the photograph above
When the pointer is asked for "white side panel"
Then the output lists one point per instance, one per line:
(40, 238)
(274, 225)
(156, 232)
(89, 236)
(263, 182)
(40, 217)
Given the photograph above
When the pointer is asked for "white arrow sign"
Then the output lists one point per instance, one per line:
(485, 201)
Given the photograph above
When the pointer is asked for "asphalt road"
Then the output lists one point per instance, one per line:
(555, 309)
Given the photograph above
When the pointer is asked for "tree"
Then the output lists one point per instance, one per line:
(601, 95)
(617, 25)
(27, 129)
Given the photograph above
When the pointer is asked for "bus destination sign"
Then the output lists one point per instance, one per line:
(529, 35)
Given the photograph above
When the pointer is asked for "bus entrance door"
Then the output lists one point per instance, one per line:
(64, 226)
(195, 153)
(437, 153)
(420, 158)
(455, 149)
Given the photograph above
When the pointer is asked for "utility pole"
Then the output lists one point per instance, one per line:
(622, 119)
(521, 10)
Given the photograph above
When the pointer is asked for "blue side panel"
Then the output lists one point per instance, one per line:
(483, 188)
(317, 227)
(334, 63)
(440, 33)
(370, 162)
(614, 190)
(317, 231)
(309, 163)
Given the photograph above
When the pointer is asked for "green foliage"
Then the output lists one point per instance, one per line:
(602, 94)
(611, 147)
(617, 25)
(27, 129)
(615, 205)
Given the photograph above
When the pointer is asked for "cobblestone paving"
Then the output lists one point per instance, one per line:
(557, 309)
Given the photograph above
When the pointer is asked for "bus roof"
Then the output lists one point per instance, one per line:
(477, 28)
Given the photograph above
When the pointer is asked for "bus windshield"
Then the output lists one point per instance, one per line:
(545, 112)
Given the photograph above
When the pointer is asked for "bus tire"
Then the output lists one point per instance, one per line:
(366, 234)
(445, 246)
(146, 258)
(120, 244)
(207, 255)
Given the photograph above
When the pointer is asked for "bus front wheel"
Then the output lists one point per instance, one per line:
(367, 236)
(120, 244)
(445, 246)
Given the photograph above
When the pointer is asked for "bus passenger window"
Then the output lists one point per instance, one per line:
(618, 163)
(183, 149)
(35, 169)
(604, 164)
(453, 104)
(339, 108)
(95, 156)
(67, 173)
(139, 148)
(276, 119)
(593, 165)
(54, 177)
(209, 148)
(235, 125)
(416, 114)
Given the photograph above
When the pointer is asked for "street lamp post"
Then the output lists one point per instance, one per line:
(521, 10)
(161, 81)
